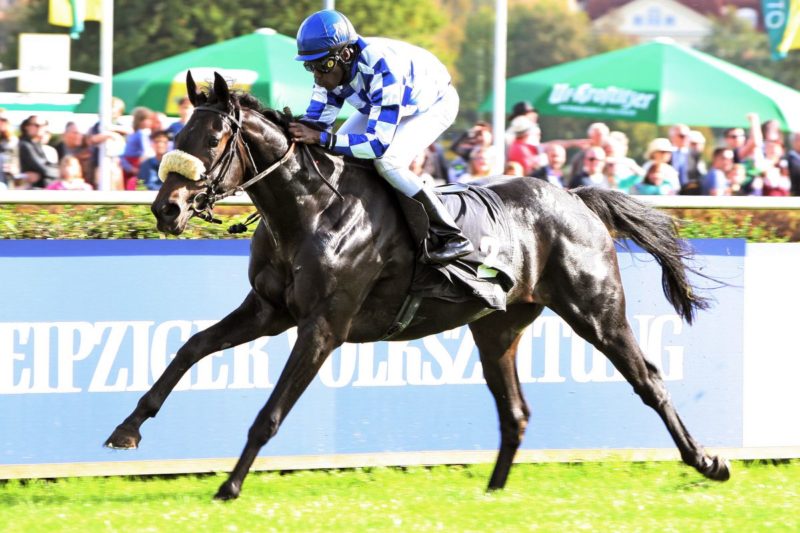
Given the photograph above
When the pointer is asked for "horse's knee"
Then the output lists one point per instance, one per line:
(652, 393)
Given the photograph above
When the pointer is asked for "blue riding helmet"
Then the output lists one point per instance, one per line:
(322, 33)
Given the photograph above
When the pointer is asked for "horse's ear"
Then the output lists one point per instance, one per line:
(221, 89)
(191, 88)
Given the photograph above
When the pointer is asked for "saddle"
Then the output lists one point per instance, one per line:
(485, 274)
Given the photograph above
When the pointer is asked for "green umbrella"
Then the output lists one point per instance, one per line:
(261, 63)
(659, 82)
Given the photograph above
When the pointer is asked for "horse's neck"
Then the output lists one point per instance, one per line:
(311, 186)
(297, 200)
(291, 198)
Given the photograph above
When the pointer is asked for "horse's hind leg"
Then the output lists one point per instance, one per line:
(252, 319)
(603, 323)
(497, 336)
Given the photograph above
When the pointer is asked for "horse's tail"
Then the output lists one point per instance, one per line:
(657, 233)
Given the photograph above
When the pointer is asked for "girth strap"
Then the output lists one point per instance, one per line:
(407, 313)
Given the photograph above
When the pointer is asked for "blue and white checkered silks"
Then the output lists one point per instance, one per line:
(392, 82)
(412, 136)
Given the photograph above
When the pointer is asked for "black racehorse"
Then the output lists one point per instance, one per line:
(334, 257)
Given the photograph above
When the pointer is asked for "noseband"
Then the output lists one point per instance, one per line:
(204, 201)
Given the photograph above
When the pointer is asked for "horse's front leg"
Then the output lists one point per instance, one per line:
(315, 341)
(252, 319)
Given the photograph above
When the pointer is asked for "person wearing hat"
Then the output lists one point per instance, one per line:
(35, 161)
(525, 148)
(520, 109)
(404, 98)
(660, 150)
(524, 109)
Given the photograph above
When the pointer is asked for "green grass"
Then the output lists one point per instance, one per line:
(613, 496)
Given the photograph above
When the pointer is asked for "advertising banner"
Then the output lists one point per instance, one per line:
(586, 99)
(87, 326)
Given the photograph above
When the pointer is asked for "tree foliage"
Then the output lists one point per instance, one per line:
(734, 40)
(541, 34)
(149, 30)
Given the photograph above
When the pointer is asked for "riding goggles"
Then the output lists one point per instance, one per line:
(323, 66)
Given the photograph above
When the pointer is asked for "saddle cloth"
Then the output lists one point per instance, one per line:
(487, 272)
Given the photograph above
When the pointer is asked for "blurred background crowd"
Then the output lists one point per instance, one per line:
(34, 157)
(39, 151)
(760, 160)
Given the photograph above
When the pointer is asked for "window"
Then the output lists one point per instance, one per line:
(654, 16)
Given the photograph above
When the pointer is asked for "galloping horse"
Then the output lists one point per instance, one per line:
(334, 257)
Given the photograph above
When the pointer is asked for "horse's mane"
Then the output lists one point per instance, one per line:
(248, 101)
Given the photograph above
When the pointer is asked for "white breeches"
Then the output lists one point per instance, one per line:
(413, 135)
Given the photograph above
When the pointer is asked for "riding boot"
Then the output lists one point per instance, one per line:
(451, 243)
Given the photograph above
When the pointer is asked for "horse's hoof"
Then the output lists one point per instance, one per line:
(716, 468)
(124, 439)
(228, 491)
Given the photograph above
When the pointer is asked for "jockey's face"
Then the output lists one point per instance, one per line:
(330, 80)
(336, 76)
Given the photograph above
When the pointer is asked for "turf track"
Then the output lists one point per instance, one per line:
(614, 496)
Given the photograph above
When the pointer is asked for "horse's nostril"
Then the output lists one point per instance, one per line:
(170, 210)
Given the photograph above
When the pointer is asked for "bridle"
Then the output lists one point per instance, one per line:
(204, 201)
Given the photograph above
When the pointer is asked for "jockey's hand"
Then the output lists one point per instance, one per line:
(303, 134)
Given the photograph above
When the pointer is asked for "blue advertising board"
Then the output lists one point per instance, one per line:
(87, 326)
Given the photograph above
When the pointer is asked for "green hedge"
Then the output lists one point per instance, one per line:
(104, 222)
(136, 222)
(717, 225)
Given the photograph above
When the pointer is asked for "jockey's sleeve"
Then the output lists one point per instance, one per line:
(385, 93)
(323, 108)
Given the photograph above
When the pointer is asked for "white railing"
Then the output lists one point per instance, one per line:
(146, 198)
(36, 197)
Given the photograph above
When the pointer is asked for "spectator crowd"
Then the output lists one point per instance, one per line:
(32, 157)
(760, 160)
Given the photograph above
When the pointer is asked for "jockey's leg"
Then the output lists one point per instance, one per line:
(452, 244)
(413, 135)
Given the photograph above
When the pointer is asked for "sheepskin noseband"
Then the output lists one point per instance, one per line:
(181, 163)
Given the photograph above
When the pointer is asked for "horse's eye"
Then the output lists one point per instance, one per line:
(213, 142)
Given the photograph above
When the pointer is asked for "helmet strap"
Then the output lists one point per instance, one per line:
(346, 58)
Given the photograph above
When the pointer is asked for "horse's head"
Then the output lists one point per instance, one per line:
(211, 159)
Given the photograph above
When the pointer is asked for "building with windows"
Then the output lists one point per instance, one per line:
(685, 21)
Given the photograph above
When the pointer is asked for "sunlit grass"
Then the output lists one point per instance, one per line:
(645, 497)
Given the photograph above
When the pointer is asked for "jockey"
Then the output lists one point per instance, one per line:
(404, 101)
